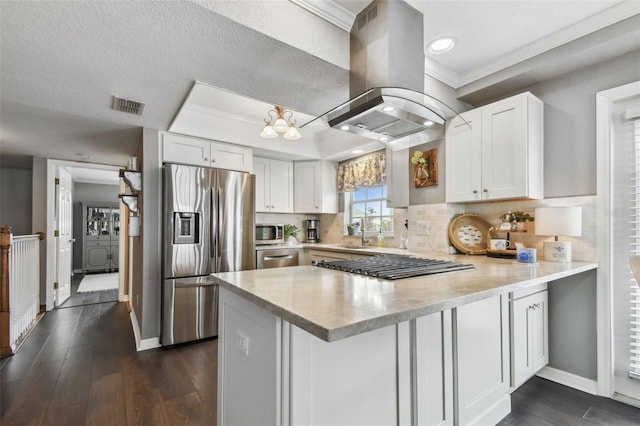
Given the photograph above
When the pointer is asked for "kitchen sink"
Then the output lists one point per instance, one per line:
(351, 246)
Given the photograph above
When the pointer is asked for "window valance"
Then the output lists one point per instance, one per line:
(367, 170)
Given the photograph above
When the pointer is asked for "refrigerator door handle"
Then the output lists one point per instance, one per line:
(215, 230)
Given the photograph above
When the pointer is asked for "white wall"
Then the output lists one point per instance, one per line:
(16, 199)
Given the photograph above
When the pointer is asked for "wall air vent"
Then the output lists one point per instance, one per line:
(127, 105)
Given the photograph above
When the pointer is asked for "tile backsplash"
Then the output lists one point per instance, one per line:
(428, 225)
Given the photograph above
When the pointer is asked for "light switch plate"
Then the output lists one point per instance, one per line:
(242, 343)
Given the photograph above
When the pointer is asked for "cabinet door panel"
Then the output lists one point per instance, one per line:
(231, 157)
(261, 170)
(434, 374)
(281, 175)
(504, 148)
(307, 187)
(179, 149)
(463, 158)
(482, 356)
(540, 332)
(522, 367)
(98, 257)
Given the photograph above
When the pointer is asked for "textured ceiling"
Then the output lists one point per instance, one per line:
(61, 62)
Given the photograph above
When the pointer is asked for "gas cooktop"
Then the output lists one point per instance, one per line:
(393, 267)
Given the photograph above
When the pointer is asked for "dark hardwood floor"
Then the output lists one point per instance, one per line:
(81, 299)
(79, 366)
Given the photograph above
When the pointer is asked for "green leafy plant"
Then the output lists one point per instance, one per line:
(418, 158)
(523, 217)
(290, 231)
(353, 225)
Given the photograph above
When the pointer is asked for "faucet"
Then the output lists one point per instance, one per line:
(364, 240)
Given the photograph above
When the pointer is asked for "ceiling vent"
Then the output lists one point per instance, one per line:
(127, 105)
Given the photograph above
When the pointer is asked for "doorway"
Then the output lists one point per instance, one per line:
(617, 109)
(92, 267)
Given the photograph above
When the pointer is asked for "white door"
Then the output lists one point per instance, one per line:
(625, 235)
(64, 240)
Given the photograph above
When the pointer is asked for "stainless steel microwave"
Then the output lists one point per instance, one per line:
(269, 233)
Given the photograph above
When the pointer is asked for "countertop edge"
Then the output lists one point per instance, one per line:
(338, 333)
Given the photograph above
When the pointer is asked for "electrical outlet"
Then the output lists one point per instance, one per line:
(423, 227)
(242, 342)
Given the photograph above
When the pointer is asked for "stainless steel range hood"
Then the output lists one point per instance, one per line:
(386, 82)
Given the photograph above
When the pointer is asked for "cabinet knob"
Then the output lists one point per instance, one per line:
(485, 190)
(475, 191)
(213, 160)
(205, 159)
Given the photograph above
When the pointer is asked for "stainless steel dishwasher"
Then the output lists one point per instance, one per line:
(277, 258)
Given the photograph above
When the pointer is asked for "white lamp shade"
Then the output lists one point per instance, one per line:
(268, 133)
(292, 134)
(556, 221)
(280, 125)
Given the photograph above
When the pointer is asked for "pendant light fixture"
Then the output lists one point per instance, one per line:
(283, 124)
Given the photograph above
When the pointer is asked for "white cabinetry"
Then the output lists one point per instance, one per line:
(274, 185)
(206, 153)
(397, 178)
(315, 187)
(101, 237)
(529, 333)
(499, 155)
(433, 369)
(419, 371)
(481, 361)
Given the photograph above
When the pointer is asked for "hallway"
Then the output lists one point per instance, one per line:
(80, 366)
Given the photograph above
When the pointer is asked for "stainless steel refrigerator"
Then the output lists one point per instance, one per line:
(208, 226)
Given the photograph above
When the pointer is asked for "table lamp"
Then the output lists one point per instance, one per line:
(566, 221)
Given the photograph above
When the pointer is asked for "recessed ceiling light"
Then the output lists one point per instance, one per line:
(344, 127)
(357, 151)
(428, 123)
(388, 108)
(441, 45)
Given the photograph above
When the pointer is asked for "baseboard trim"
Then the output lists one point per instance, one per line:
(569, 379)
(626, 399)
(496, 412)
(142, 344)
(124, 298)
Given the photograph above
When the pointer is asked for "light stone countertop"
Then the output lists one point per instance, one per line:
(333, 305)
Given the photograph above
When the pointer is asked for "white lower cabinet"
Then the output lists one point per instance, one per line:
(434, 370)
(446, 368)
(529, 333)
(481, 361)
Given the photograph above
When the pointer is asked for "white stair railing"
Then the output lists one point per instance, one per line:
(24, 284)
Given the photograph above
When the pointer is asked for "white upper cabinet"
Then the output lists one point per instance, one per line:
(274, 185)
(206, 153)
(397, 178)
(315, 187)
(499, 154)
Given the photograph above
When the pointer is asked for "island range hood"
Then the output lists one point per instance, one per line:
(386, 80)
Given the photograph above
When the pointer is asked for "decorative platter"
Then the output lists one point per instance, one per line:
(468, 233)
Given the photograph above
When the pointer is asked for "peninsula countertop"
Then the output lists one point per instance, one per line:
(334, 305)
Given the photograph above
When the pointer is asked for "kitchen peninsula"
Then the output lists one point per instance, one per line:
(309, 345)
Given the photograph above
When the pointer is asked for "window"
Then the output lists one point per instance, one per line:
(634, 293)
(368, 206)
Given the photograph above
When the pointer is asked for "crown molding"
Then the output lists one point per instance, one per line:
(441, 73)
(329, 11)
(615, 14)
